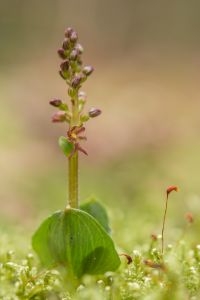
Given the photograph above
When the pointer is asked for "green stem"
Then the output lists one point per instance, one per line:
(75, 120)
(73, 161)
(73, 180)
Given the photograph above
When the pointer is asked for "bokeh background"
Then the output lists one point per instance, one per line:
(146, 81)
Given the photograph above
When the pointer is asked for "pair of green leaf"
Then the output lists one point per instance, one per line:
(75, 239)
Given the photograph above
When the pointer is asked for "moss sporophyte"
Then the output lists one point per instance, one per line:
(168, 191)
(78, 237)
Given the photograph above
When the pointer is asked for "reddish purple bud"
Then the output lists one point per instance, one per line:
(94, 112)
(87, 70)
(65, 66)
(61, 53)
(59, 116)
(76, 81)
(66, 44)
(69, 31)
(55, 102)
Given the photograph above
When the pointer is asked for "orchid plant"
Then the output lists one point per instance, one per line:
(78, 237)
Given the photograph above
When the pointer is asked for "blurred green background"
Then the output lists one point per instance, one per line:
(146, 81)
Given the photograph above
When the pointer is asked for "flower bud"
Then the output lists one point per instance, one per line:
(87, 70)
(73, 37)
(79, 48)
(55, 102)
(76, 81)
(59, 116)
(61, 53)
(66, 44)
(94, 112)
(69, 31)
(64, 66)
(74, 54)
(82, 96)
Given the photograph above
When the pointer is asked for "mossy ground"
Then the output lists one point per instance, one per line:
(146, 277)
(133, 190)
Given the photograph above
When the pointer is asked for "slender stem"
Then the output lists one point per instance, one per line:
(73, 180)
(163, 225)
(75, 112)
(73, 162)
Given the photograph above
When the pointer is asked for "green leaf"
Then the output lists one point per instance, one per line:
(76, 240)
(95, 209)
(66, 146)
(40, 241)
